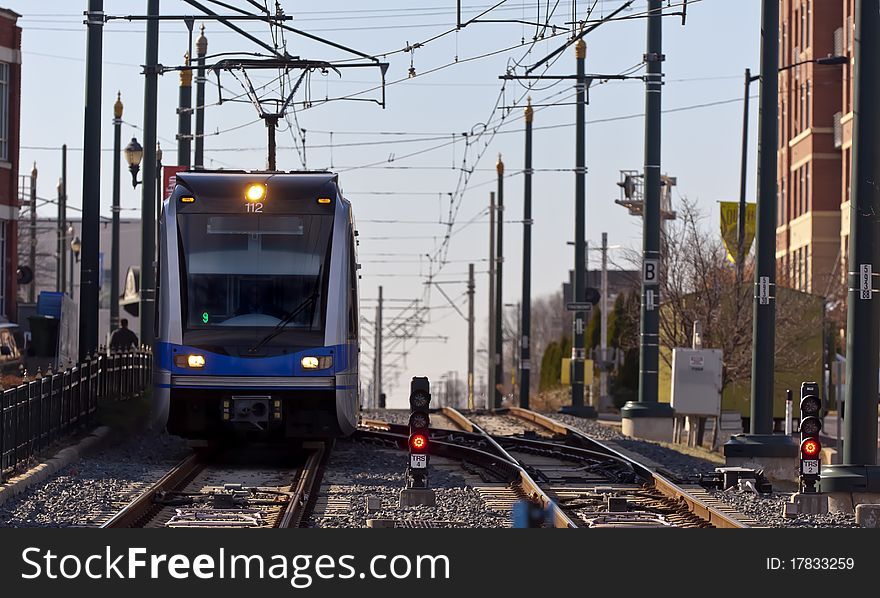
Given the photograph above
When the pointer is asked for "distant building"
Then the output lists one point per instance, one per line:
(815, 140)
(10, 111)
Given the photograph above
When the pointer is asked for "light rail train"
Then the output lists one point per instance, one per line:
(257, 319)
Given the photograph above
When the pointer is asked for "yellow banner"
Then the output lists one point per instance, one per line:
(730, 225)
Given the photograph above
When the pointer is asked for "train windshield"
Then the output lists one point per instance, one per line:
(245, 274)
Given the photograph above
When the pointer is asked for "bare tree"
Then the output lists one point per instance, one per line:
(698, 283)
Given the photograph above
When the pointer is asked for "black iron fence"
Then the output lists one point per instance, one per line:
(37, 413)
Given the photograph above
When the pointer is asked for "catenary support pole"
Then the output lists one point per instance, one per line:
(379, 324)
(499, 293)
(764, 328)
(32, 237)
(603, 347)
(648, 408)
(859, 471)
(148, 186)
(490, 356)
(184, 117)
(470, 360)
(62, 223)
(91, 197)
(201, 52)
(526, 301)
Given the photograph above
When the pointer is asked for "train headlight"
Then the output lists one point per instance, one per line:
(255, 192)
(193, 360)
(316, 363)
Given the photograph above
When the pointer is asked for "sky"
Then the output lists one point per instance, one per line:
(399, 165)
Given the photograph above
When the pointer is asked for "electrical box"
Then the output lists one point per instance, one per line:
(696, 381)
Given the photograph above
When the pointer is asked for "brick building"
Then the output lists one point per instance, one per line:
(812, 167)
(10, 110)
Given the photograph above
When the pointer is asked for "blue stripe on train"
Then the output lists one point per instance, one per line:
(277, 365)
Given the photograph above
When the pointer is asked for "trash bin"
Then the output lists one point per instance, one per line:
(44, 335)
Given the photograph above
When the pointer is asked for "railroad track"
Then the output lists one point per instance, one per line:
(212, 490)
(579, 480)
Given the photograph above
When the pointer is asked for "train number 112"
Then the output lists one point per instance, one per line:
(254, 208)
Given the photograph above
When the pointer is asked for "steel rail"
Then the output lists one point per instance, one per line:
(305, 486)
(666, 486)
(140, 507)
(560, 518)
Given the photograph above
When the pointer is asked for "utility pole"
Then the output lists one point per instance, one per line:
(526, 310)
(470, 361)
(61, 283)
(603, 347)
(114, 251)
(32, 238)
(578, 354)
(201, 52)
(184, 116)
(148, 186)
(761, 443)
(378, 358)
(741, 223)
(490, 356)
(859, 471)
(648, 418)
(91, 197)
(499, 293)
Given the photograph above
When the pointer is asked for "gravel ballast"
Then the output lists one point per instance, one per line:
(90, 491)
(357, 471)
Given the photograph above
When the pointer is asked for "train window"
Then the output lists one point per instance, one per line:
(254, 271)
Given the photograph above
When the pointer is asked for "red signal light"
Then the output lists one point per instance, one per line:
(418, 442)
(811, 448)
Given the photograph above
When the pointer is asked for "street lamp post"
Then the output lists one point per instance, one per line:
(114, 251)
(134, 153)
(761, 443)
(75, 248)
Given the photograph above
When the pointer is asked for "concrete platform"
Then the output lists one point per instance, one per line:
(648, 428)
(868, 515)
(806, 504)
(847, 502)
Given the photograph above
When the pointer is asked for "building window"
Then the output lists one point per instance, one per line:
(4, 111)
(808, 196)
(808, 121)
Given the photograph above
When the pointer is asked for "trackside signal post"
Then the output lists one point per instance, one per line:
(417, 491)
(808, 499)
(858, 471)
(647, 417)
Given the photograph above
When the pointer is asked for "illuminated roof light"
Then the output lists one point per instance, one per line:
(255, 192)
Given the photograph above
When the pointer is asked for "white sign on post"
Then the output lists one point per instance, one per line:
(764, 290)
(865, 284)
(651, 272)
